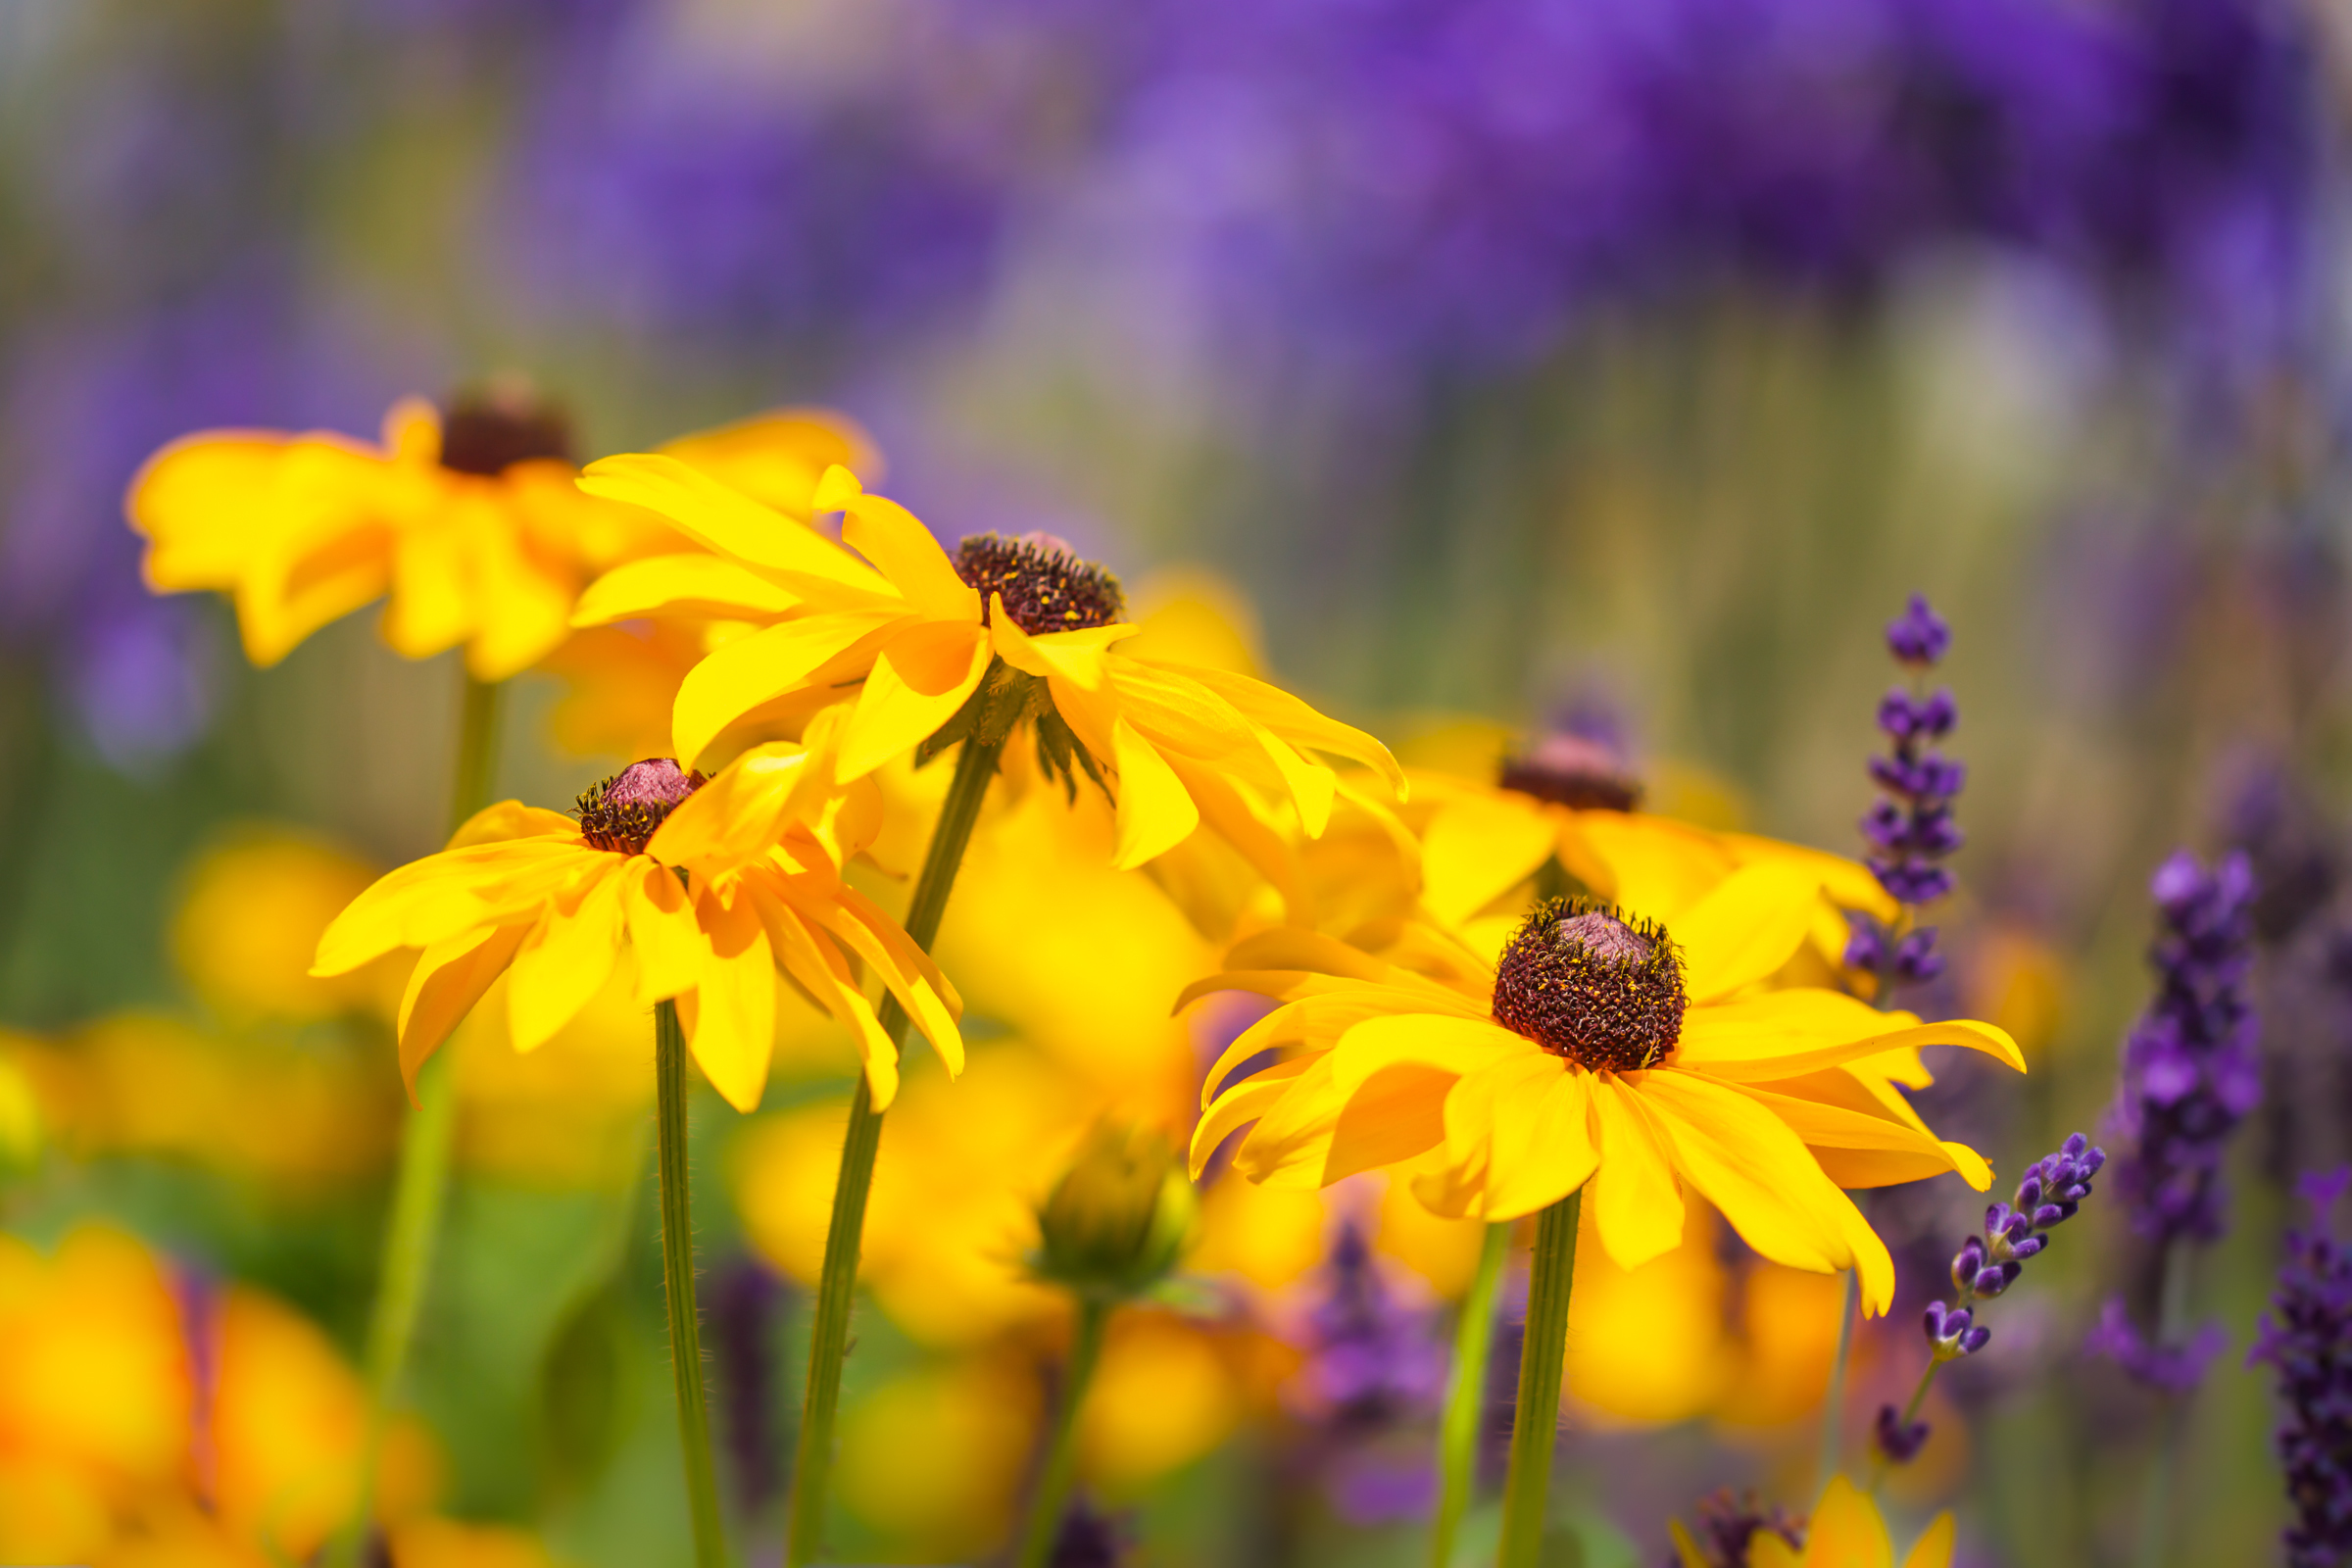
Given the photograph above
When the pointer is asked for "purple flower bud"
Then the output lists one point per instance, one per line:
(1916, 957)
(1992, 1281)
(1866, 947)
(2028, 1247)
(2029, 1191)
(2049, 1214)
(1918, 636)
(1936, 716)
(1901, 1444)
(1884, 826)
(1996, 1215)
(1974, 1340)
(1933, 1319)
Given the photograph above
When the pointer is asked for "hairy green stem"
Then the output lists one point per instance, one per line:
(837, 1283)
(420, 1183)
(1062, 1454)
(1536, 1422)
(677, 1285)
(1466, 1395)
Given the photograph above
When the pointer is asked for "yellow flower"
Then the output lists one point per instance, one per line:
(249, 919)
(1845, 1531)
(558, 901)
(468, 521)
(1599, 1049)
(918, 630)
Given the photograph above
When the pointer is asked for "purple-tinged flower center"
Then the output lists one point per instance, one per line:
(621, 814)
(1582, 982)
(489, 432)
(1045, 585)
(1572, 771)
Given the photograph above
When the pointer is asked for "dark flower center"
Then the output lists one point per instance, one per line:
(1045, 585)
(622, 813)
(1584, 983)
(1571, 770)
(488, 432)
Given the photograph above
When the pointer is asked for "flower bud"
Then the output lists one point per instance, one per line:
(1119, 1218)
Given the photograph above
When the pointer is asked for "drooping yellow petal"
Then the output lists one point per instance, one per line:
(1858, 1145)
(1294, 948)
(1477, 849)
(1748, 1165)
(663, 931)
(1066, 658)
(1746, 927)
(893, 539)
(817, 967)
(1471, 1108)
(727, 520)
(567, 957)
(1542, 1146)
(511, 819)
(1238, 1107)
(920, 678)
(1451, 1046)
(1155, 815)
(1783, 1034)
(1934, 1548)
(691, 583)
(735, 1005)
(1768, 1550)
(853, 919)
(1845, 1531)
(446, 894)
(450, 977)
(1847, 883)
(1229, 814)
(1291, 1144)
(1636, 1198)
(1655, 867)
(1297, 721)
(776, 458)
(1393, 1115)
(738, 676)
(1685, 1550)
(738, 816)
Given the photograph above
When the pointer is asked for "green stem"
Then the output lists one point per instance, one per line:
(1061, 1456)
(420, 1183)
(1466, 1395)
(2172, 1324)
(677, 1283)
(1833, 1414)
(1536, 1422)
(837, 1283)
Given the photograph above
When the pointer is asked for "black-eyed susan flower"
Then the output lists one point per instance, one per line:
(916, 632)
(467, 520)
(561, 902)
(1601, 1048)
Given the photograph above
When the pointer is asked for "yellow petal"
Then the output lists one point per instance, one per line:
(1845, 1531)
(446, 894)
(738, 816)
(1686, 1550)
(450, 977)
(1748, 1165)
(1291, 1144)
(920, 678)
(1452, 1045)
(1471, 1107)
(730, 522)
(688, 584)
(1474, 851)
(511, 819)
(663, 932)
(1230, 817)
(735, 1005)
(567, 957)
(1541, 1147)
(738, 676)
(1788, 1033)
(1636, 1198)
(1847, 883)
(1768, 1550)
(1238, 1107)
(1877, 1148)
(1657, 866)
(776, 458)
(893, 539)
(1155, 815)
(1397, 1115)
(815, 965)
(1296, 721)
(1748, 926)
(1935, 1549)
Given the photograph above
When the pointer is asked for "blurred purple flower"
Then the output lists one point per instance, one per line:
(1374, 1366)
(2307, 1336)
(2166, 1368)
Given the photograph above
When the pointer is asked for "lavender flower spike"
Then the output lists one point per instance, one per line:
(2190, 1068)
(2308, 1337)
(1911, 830)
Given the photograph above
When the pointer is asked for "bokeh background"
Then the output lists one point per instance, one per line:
(1462, 362)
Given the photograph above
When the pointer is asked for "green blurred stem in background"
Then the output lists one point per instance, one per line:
(1833, 1405)
(677, 1286)
(420, 1185)
(1536, 1422)
(2172, 1326)
(837, 1285)
(1062, 1455)
(1466, 1395)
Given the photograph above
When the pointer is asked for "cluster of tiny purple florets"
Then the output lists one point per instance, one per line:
(1373, 1366)
(1911, 830)
(2049, 1194)
(2191, 1072)
(2308, 1338)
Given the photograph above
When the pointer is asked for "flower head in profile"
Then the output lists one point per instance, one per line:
(707, 888)
(1846, 1531)
(938, 645)
(1601, 1049)
(466, 520)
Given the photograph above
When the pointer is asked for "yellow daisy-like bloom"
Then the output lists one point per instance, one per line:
(918, 630)
(470, 523)
(1600, 1049)
(557, 901)
(1846, 1531)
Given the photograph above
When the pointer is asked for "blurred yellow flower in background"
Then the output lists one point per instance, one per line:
(934, 1458)
(1649, 1345)
(1162, 1396)
(561, 902)
(1845, 1531)
(468, 520)
(250, 912)
(917, 631)
(1623, 1054)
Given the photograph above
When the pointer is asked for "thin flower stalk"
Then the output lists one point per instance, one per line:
(1061, 1452)
(837, 1283)
(677, 1286)
(1465, 1395)
(420, 1182)
(1536, 1418)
